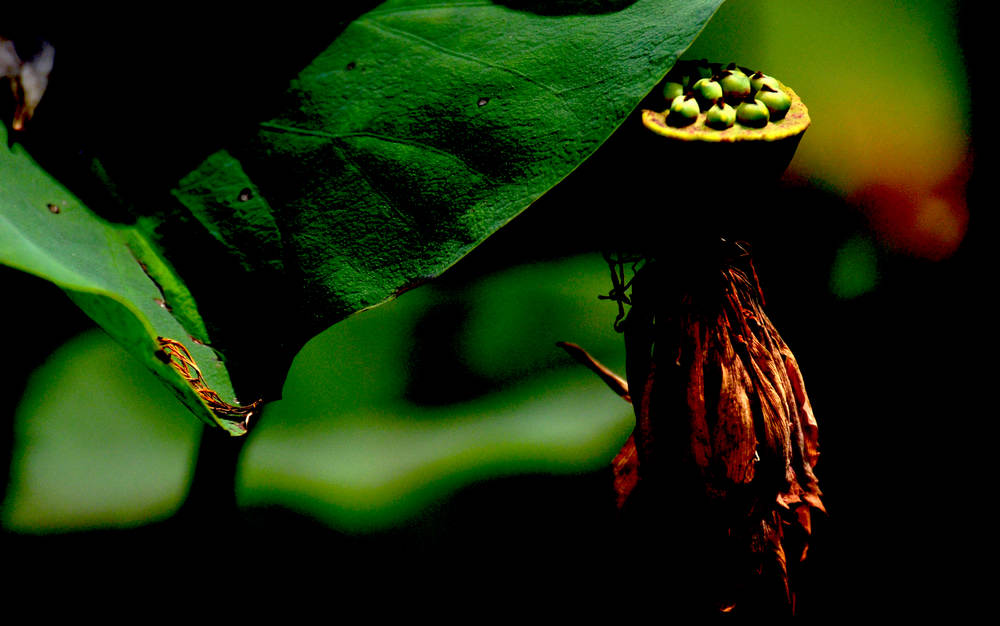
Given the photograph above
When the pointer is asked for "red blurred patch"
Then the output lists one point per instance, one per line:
(928, 223)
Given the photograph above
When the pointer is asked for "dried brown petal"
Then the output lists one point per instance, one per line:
(734, 433)
(626, 471)
(725, 434)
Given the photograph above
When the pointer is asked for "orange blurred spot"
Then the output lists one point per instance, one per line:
(928, 223)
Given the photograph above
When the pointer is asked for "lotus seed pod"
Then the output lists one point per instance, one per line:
(687, 139)
(753, 113)
(707, 91)
(683, 110)
(776, 101)
(671, 90)
(759, 79)
(735, 85)
(721, 116)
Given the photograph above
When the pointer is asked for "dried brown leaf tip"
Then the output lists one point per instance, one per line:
(177, 356)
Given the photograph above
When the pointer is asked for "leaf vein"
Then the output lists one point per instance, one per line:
(431, 7)
(349, 162)
(402, 140)
(455, 53)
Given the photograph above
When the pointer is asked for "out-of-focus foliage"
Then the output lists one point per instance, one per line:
(101, 443)
(855, 268)
(888, 94)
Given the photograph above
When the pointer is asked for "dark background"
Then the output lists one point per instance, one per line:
(899, 378)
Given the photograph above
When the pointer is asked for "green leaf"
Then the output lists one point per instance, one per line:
(419, 131)
(98, 443)
(350, 444)
(427, 126)
(109, 270)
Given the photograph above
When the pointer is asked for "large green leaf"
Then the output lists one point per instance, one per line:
(419, 131)
(427, 126)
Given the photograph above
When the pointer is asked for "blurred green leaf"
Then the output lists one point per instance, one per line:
(98, 443)
(855, 268)
(347, 444)
(517, 316)
(376, 466)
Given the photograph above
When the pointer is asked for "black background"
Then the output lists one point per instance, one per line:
(901, 380)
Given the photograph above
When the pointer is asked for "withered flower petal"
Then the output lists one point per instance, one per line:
(725, 435)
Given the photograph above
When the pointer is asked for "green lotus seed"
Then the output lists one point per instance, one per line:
(759, 79)
(671, 90)
(721, 116)
(735, 85)
(752, 112)
(683, 110)
(707, 91)
(776, 101)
